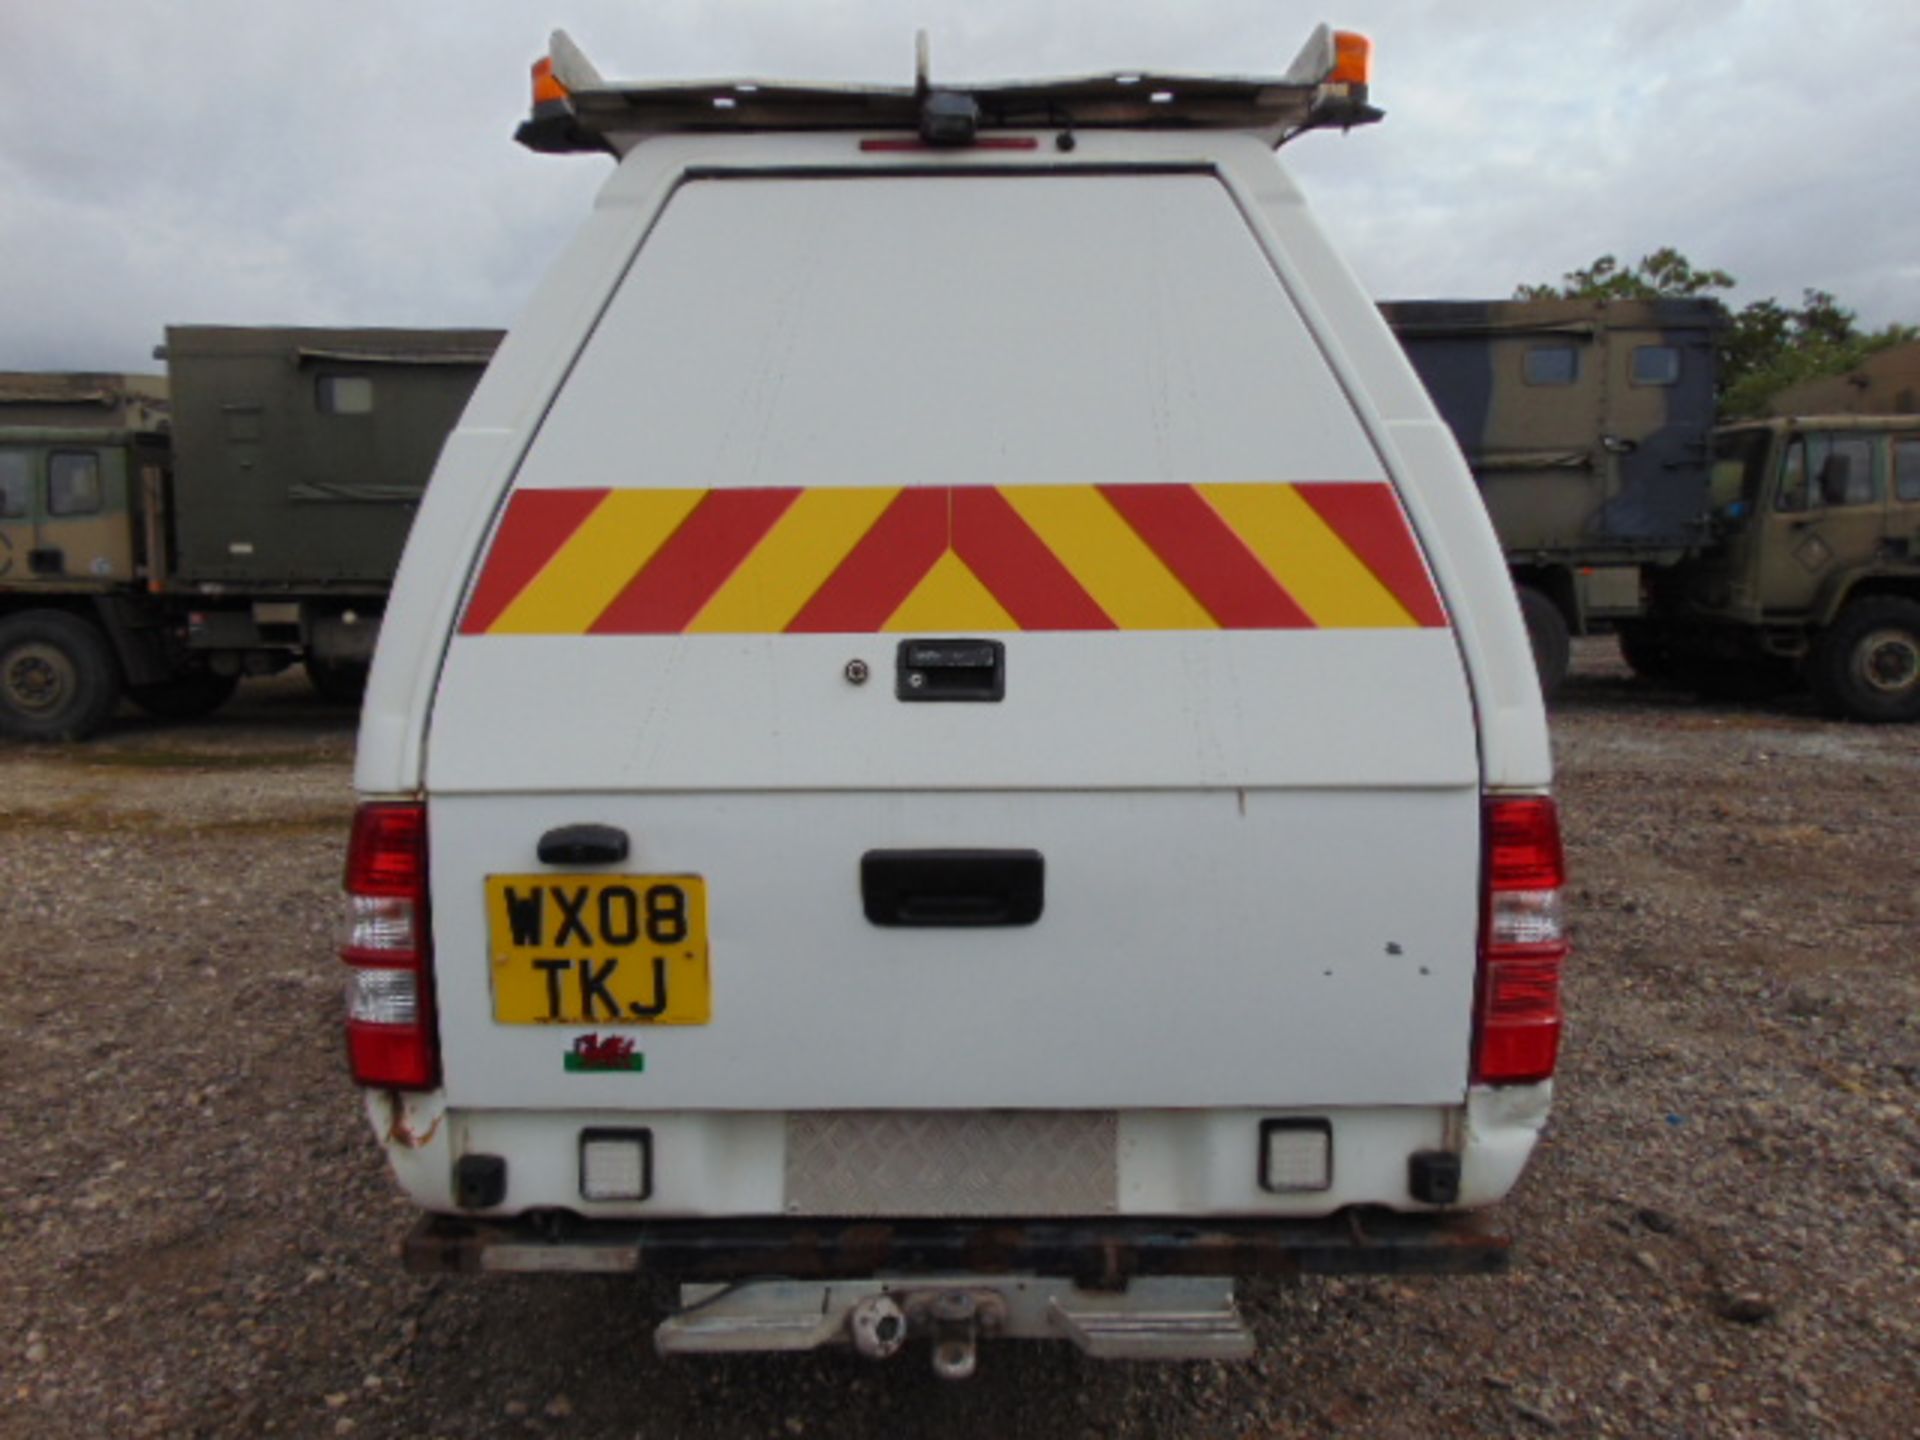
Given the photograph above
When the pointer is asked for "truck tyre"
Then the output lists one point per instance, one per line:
(185, 697)
(58, 677)
(1547, 633)
(1867, 665)
(1649, 653)
(338, 682)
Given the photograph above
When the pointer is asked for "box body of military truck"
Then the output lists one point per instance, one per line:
(160, 539)
(299, 455)
(1587, 425)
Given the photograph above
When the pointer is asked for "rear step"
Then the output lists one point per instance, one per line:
(1172, 1320)
(1157, 1318)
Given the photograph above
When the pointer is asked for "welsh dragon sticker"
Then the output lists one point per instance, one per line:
(611, 1052)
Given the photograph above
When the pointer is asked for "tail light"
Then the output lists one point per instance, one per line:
(1522, 944)
(391, 1039)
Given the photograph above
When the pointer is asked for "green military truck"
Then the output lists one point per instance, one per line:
(1588, 425)
(1811, 569)
(1733, 560)
(161, 556)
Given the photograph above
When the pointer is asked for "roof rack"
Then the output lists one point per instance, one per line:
(575, 110)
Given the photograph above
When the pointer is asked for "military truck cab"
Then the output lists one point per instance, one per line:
(74, 524)
(70, 506)
(1814, 564)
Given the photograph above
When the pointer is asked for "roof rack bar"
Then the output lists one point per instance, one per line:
(576, 110)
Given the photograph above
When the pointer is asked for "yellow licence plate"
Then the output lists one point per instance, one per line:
(599, 949)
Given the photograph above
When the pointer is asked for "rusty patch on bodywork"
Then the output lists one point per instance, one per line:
(400, 1132)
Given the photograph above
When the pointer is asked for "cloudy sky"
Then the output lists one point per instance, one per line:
(350, 162)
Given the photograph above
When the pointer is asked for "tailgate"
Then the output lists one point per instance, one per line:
(1213, 948)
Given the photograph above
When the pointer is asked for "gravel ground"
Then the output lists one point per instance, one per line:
(1720, 1235)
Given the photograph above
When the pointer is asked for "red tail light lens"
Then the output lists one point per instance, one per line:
(1522, 944)
(391, 1038)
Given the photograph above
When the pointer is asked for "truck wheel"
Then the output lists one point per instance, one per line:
(1867, 665)
(340, 682)
(1649, 653)
(1547, 633)
(58, 678)
(185, 697)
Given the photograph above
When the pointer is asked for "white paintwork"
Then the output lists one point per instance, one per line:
(1142, 710)
(1171, 1162)
(1321, 790)
(949, 331)
(1502, 1126)
(1197, 948)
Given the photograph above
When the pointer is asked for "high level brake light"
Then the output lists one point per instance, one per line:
(1522, 944)
(391, 1038)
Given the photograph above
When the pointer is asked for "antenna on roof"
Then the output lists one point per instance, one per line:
(922, 64)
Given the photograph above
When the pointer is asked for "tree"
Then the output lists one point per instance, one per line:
(1765, 346)
(1665, 274)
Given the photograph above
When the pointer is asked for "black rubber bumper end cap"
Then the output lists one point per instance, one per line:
(479, 1181)
(1433, 1177)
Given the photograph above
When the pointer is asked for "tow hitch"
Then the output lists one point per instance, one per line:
(1152, 1318)
(1117, 1288)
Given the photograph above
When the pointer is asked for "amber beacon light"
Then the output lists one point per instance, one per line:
(1352, 59)
(546, 86)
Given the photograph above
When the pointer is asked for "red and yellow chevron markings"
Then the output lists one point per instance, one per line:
(1325, 555)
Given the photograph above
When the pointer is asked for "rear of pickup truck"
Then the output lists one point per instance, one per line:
(956, 738)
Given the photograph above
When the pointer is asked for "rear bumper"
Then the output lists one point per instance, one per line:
(1093, 1253)
(1201, 1165)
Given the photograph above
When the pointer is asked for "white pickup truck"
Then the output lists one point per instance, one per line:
(953, 753)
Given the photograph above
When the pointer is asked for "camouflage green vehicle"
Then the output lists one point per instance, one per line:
(1587, 425)
(1735, 560)
(159, 541)
(1812, 568)
(83, 400)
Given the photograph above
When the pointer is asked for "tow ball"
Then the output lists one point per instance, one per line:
(953, 1320)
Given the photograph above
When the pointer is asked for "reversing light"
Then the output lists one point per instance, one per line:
(616, 1164)
(1296, 1156)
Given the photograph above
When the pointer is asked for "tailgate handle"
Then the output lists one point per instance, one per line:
(952, 887)
(583, 845)
(951, 670)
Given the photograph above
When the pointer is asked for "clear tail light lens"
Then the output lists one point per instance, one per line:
(379, 926)
(383, 997)
(392, 1042)
(1523, 944)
